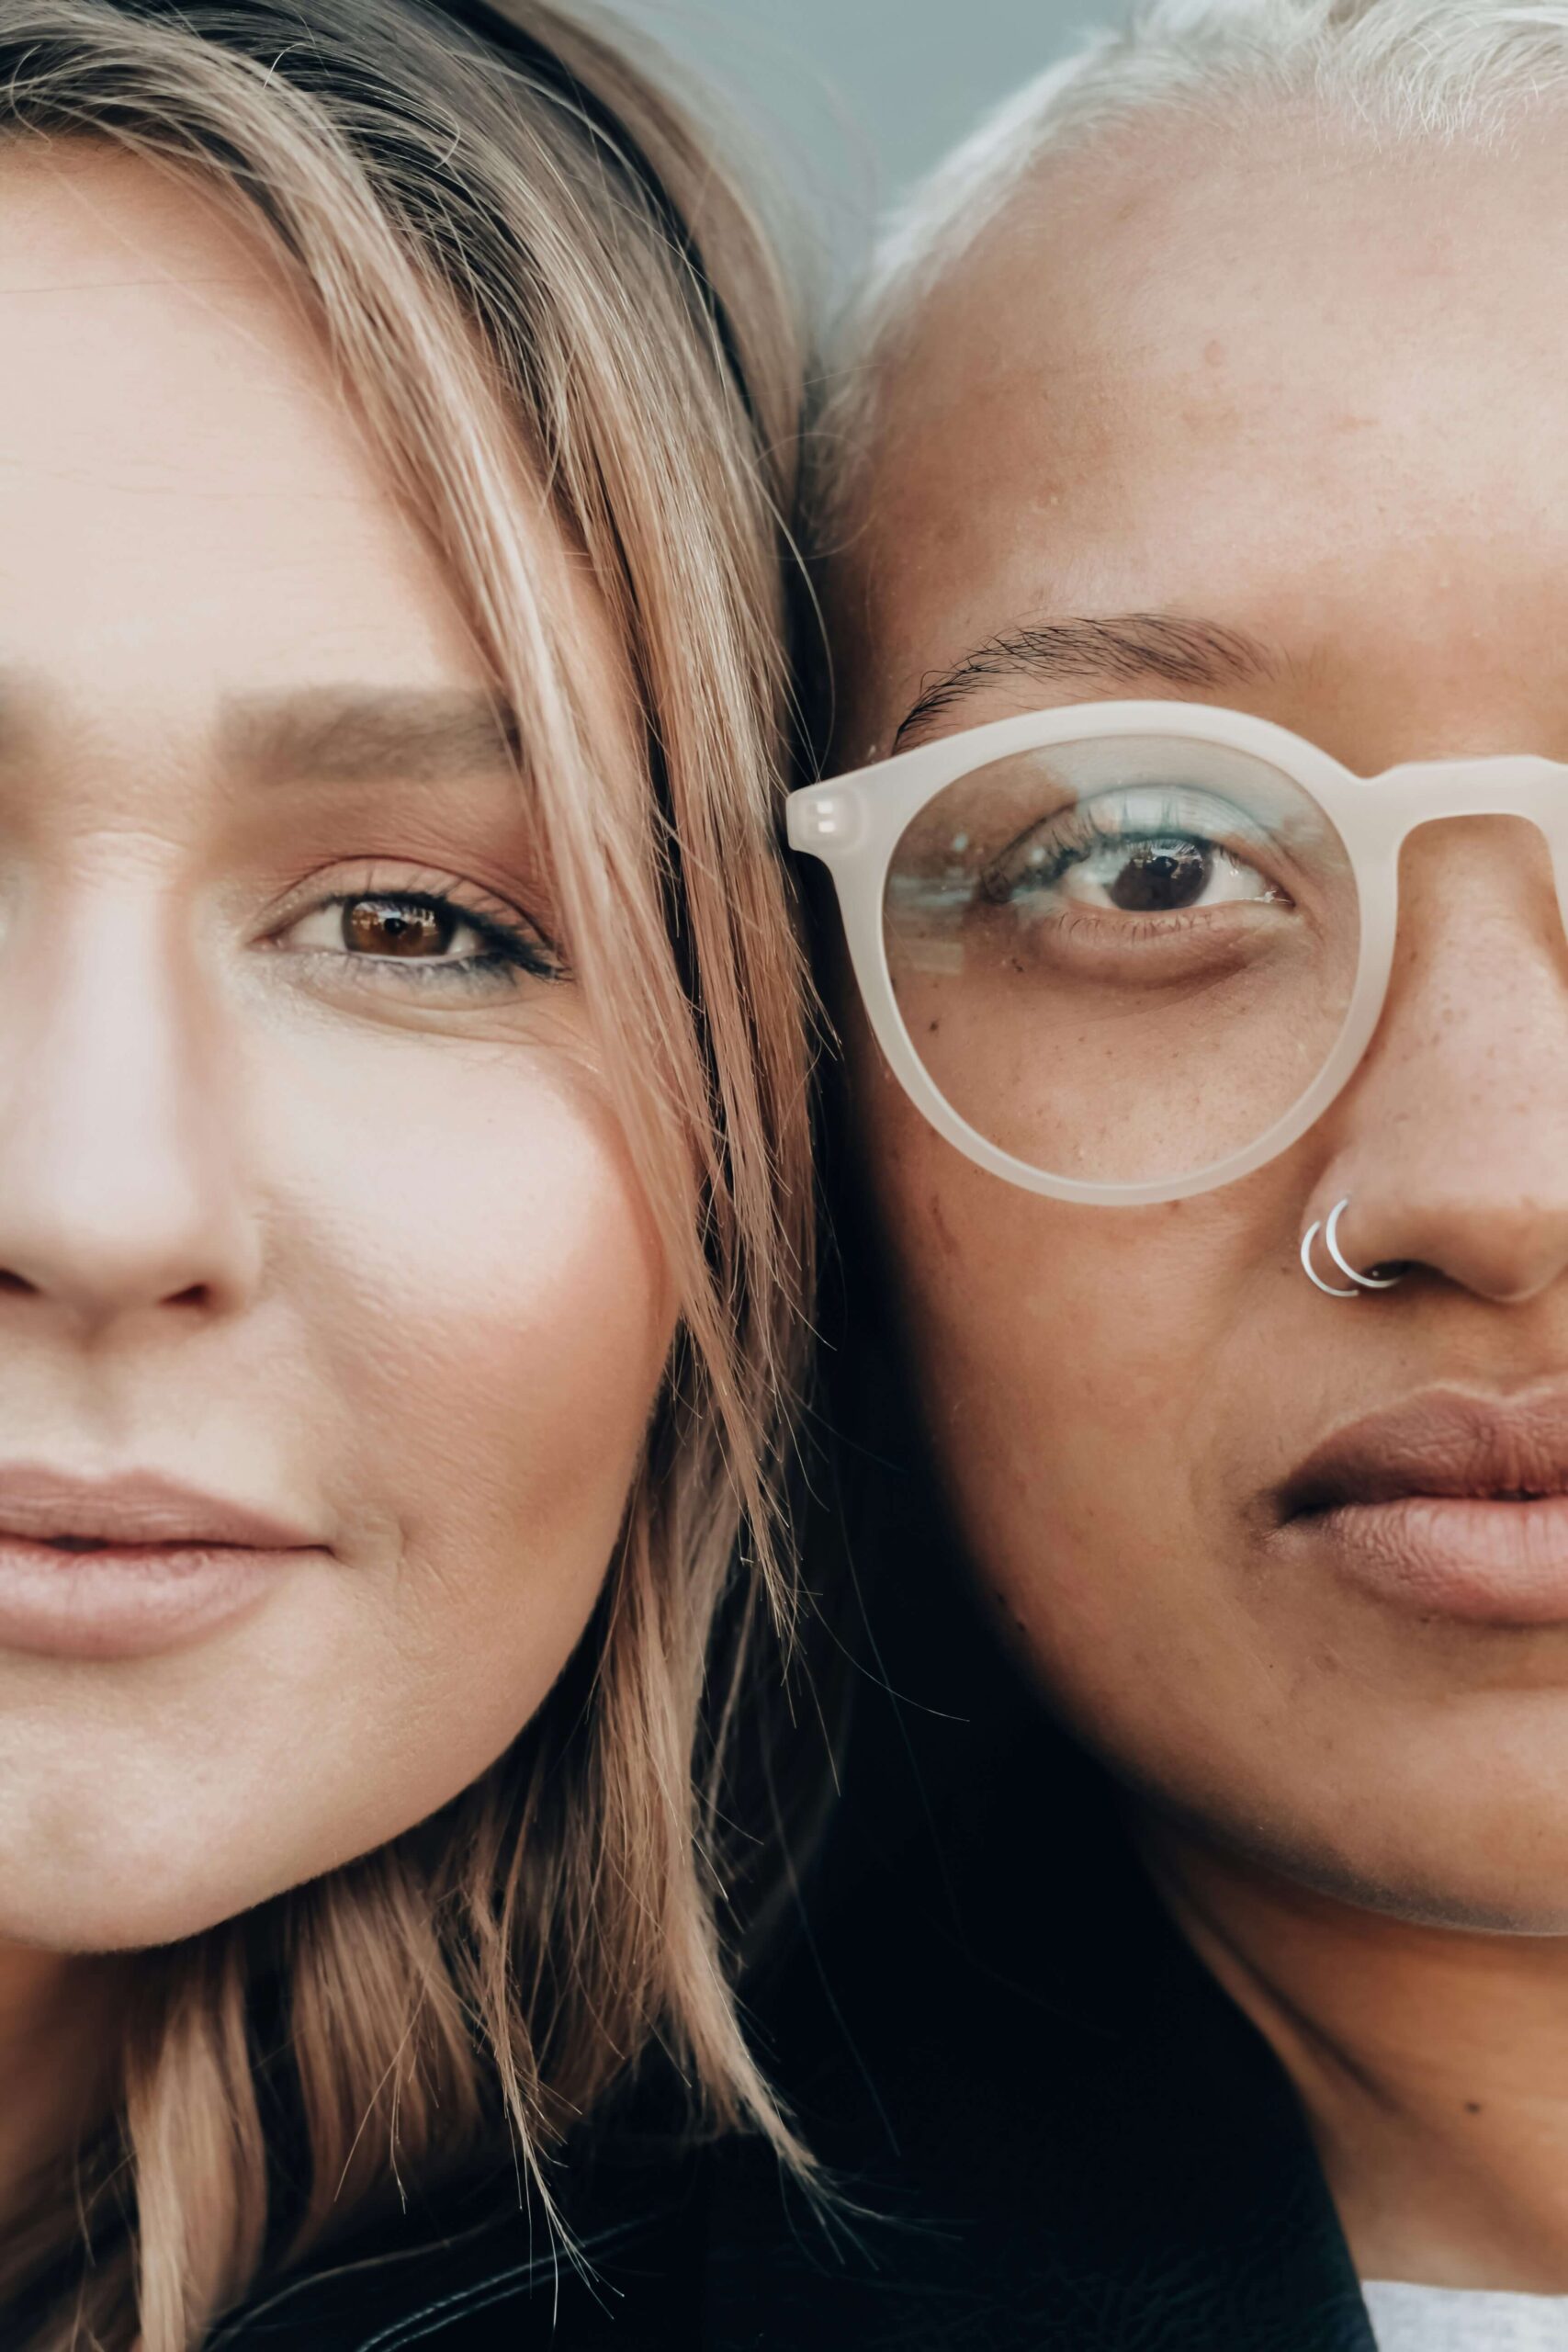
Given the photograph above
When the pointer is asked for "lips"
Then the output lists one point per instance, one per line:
(134, 1507)
(1447, 1505)
(116, 1569)
(1440, 1444)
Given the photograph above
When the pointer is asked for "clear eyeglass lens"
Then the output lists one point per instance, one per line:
(1121, 961)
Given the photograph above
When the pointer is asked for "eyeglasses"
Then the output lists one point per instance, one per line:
(1125, 951)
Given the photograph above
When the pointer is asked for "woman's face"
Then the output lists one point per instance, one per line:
(306, 1205)
(1316, 396)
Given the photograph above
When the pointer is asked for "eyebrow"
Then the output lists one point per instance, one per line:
(353, 734)
(1119, 649)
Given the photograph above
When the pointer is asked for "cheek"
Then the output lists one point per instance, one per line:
(1078, 1370)
(463, 1334)
(493, 1315)
(1046, 1333)
(489, 1297)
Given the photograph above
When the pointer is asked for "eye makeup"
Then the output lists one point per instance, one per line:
(393, 931)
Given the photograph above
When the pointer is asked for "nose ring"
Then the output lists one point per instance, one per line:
(1331, 1243)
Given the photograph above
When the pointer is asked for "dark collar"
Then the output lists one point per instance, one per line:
(466, 2267)
(993, 2029)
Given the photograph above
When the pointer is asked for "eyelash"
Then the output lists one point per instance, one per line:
(1078, 833)
(510, 948)
(1081, 832)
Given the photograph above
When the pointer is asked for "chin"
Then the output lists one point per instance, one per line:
(120, 1886)
(1500, 1870)
(70, 1919)
(117, 1914)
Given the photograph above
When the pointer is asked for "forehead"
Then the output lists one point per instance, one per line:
(182, 490)
(1269, 387)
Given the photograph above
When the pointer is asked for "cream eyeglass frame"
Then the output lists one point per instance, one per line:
(853, 824)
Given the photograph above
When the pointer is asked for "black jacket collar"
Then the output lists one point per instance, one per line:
(993, 2029)
(468, 2269)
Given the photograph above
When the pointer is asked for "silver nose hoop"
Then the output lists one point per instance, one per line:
(1357, 1281)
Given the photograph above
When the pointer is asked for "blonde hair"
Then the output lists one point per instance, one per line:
(1399, 69)
(512, 242)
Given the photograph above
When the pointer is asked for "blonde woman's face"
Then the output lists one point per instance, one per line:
(1307, 392)
(309, 1199)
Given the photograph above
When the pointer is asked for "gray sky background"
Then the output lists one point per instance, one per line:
(854, 98)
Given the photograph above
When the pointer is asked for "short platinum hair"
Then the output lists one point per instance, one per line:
(1446, 71)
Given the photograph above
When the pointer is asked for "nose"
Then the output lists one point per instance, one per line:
(1451, 1141)
(119, 1191)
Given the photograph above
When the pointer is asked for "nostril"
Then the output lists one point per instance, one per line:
(199, 1295)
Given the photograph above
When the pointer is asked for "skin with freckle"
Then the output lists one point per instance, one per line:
(1152, 390)
(358, 1246)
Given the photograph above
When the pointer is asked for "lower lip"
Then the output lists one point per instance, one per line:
(128, 1600)
(1453, 1555)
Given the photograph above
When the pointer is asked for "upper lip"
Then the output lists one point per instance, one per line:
(1441, 1442)
(134, 1507)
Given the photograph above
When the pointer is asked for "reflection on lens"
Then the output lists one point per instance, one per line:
(1121, 961)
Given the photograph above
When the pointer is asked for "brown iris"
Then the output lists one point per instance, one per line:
(1161, 877)
(397, 927)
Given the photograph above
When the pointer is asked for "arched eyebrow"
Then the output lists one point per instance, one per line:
(1122, 650)
(355, 734)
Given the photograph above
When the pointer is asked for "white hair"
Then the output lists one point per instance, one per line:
(1439, 70)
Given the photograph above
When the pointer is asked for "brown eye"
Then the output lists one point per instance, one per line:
(1160, 876)
(436, 941)
(1143, 850)
(397, 927)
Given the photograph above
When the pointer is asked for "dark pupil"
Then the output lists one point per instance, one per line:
(396, 927)
(1161, 877)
